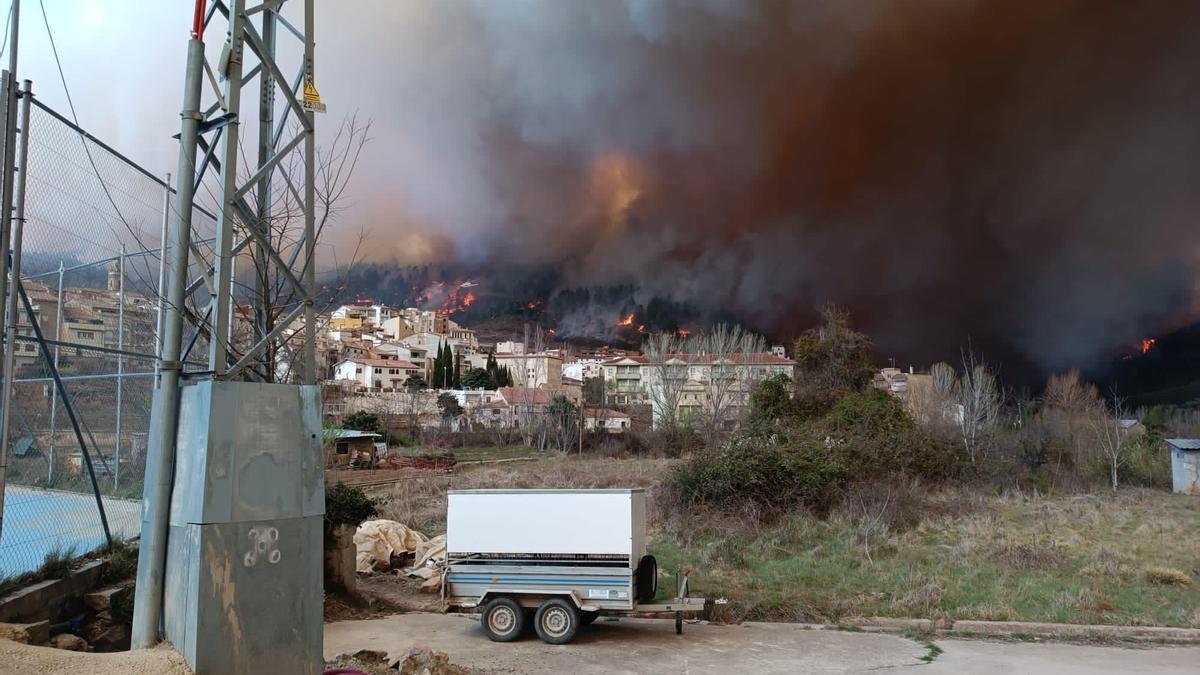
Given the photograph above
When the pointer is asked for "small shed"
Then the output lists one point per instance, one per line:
(1185, 465)
(352, 447)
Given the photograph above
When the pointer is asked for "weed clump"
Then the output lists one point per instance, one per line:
(1167, 576)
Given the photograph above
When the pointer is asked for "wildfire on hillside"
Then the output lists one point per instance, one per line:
(627, 322)
(1148, 344)
(446, 298)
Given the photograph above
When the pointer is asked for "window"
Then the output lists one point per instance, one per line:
(358, 371)
(86, 334)
(378, 384)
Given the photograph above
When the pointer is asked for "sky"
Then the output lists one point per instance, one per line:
(1021, 174)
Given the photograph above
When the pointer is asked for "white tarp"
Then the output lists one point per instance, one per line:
(376, 541)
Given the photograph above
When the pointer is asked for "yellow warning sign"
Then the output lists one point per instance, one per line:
(312, 98)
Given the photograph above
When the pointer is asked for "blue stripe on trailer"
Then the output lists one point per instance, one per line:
(528, 580)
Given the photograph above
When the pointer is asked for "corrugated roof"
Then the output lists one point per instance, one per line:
(351, 433)
(1185, 443)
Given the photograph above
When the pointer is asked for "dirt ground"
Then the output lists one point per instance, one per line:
(651, 646)
(19, 659)
(381, 595)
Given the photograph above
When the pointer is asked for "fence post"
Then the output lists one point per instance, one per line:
(10, 334)
(62, 390)
(120, 365)
(8, 124)
(162, 276)
(58, 325)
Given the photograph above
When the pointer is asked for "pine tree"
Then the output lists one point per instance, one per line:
(458, 371)
(492, 371)
(439, 369)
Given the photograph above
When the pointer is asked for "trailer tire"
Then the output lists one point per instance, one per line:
(502, 620)
(646, 578)
(556, 621)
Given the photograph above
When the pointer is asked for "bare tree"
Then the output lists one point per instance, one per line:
(282, 224)
(728, 350)
(530, 365)
(667, 355)
(1105, 424)
(1068, 403)
(978, 400)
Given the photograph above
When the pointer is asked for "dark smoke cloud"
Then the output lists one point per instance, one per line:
(1020, 172)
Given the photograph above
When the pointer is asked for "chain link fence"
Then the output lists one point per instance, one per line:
(91, 274)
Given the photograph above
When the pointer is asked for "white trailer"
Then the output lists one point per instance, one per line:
(556, 558)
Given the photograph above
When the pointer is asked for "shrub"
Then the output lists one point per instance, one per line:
(1148, 464)
(361, 421)
(865, 437)
(347, 505)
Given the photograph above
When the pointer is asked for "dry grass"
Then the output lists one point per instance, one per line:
(1167, 576)
(421, 503)
(951, 553)
(1075, 559)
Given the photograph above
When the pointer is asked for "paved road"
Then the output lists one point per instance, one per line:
(651, 646)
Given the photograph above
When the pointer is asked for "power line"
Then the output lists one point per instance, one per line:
(75, 117)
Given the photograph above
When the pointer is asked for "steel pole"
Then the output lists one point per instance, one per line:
(10, 341)
(162, 267)
(9, 129)
(266, 151)
(58, 322)
(152, 553)
(310, 204)
(218, 349)
(120, 366)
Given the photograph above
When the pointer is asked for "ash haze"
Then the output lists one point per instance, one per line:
(1023, 173)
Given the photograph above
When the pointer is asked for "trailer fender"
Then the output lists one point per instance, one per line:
(536, 592)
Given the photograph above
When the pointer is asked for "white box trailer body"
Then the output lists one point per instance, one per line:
(568, 554)
(561, 523)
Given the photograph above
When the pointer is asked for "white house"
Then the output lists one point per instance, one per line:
(582, 369)
(375, 373)
(606, 420)
(700, 379)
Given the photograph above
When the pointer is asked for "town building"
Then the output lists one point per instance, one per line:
(606, 420)
(375, 373)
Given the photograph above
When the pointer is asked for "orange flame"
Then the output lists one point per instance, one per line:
(1148, 344)
(627, 321)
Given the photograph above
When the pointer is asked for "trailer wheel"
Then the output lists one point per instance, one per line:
(556, 621)
(586, 618)
(503, 620)
(646, 578)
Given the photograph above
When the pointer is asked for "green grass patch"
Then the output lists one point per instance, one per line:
(1091, 559)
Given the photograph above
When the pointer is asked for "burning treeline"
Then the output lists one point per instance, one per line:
(941, 169)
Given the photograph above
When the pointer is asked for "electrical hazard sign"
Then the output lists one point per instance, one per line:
(312, 98)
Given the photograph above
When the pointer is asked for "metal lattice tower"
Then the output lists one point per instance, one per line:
(244, 221)
(258, 40)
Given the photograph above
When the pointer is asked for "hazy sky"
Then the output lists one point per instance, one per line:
(1021, 172)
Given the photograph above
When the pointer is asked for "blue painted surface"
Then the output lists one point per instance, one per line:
(537, 580)
(38, 521)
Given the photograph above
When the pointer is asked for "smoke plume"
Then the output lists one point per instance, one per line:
(1019, 172)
